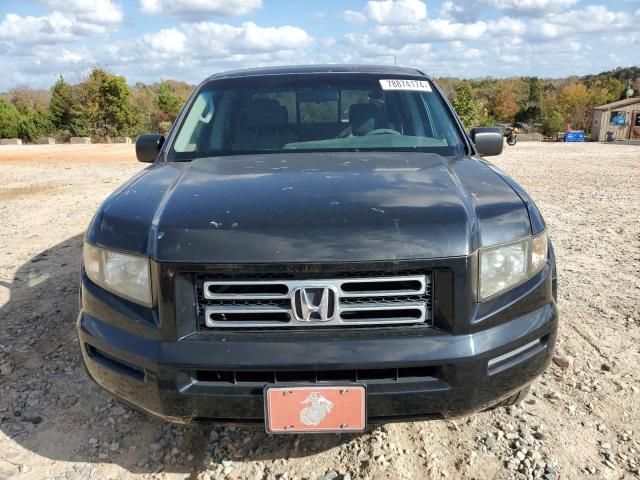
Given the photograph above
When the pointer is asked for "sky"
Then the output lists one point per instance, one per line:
(150, 40)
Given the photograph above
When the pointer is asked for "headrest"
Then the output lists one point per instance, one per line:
(364, 117)
(265, 112)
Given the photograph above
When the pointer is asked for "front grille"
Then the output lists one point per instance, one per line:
(422, 373)
(347, 301)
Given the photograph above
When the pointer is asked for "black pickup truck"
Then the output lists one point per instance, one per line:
(317, 249)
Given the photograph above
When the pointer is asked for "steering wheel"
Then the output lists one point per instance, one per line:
(382, 131)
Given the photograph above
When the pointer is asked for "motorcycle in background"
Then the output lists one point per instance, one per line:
(511, 134)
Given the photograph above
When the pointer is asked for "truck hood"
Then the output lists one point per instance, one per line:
(312, 207)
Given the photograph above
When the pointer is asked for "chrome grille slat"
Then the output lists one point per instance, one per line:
(381, 306)
(241, 296)
(420, 279)
(384, 300)
(246, 296)
(247, 309)
(380, 294)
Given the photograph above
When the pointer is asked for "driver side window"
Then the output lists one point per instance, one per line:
(200, 115)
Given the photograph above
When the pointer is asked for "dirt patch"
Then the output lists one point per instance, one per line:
(16, 193)
(68, 154)
(581, 421)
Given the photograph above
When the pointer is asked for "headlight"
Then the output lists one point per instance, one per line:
(125, 275)
(507, 265)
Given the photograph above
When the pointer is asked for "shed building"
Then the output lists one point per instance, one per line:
(622, 118)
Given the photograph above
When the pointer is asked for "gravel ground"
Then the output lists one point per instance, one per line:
(581, 420)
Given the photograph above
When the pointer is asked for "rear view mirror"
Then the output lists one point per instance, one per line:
(488, 140)
(148, 146)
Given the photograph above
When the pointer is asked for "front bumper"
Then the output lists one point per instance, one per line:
(437, 373)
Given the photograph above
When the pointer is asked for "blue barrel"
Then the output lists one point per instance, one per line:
(574, 136)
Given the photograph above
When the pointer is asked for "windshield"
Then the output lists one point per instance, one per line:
(316, 113)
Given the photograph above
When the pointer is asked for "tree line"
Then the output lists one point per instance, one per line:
(545, 106)
(103, 105)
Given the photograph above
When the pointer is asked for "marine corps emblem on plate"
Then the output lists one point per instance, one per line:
(316, 411)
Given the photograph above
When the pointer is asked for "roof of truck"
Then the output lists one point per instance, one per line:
(318, 69)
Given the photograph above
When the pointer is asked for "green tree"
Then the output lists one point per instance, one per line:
(9, 118)
(610, 89)
(34, 124)
(106, 104)
(535, 91)
(529, 114)
(553, 122)
(168, 101)
(466, 105)
(530, 105)
(61, 104)
(170, 98)
(143, 100)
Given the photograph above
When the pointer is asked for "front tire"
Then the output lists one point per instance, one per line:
(511, 141)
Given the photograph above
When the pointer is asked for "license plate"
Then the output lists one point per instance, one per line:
(315, 409)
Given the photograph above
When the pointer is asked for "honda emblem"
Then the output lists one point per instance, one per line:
(314, 304)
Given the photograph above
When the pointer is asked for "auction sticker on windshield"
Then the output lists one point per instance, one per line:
(400, 84)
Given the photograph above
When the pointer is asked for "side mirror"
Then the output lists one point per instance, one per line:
(148, 146)
(488, 140)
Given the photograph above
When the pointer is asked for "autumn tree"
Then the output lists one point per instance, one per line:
(448, 86)
(504, 106)
(27, 98)
(576, 102)
(104, 105)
